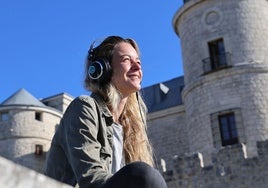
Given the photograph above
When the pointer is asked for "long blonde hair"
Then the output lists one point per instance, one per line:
(133, 118)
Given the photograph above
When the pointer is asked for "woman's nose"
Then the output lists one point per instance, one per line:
(136, 64)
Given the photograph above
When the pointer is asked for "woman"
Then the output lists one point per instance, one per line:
(101, 140)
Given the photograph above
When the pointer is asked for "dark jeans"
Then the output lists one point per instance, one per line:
(136, 175)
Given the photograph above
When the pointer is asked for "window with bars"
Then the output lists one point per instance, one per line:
(218, 57)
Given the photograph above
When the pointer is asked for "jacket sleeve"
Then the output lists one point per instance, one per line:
(80, 143)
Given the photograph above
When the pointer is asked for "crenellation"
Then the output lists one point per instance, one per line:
(229, 168)
(262, 148)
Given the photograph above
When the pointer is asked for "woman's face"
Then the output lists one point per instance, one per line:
(126, 65)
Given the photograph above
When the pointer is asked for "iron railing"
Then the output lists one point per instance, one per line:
(217, 62)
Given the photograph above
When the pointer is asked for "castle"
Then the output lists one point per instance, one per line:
(208, 128)
(216, 132)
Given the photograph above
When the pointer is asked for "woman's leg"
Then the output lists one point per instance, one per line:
(136, 175)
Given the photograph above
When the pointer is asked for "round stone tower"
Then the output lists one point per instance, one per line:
(225, 60)
(26, 129)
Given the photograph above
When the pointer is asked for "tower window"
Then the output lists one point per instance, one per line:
(218, 58)
(228, 129)
(4, 116)
(38, 149)
(217, 54)
(38, 116)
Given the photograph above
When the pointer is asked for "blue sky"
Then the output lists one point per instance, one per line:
(43, 44)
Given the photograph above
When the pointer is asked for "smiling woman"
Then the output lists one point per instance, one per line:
(102, 139)
(127, 72)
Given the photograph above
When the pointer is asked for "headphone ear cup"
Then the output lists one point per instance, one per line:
(100, 70)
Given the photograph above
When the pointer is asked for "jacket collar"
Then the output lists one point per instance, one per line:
(103, 106)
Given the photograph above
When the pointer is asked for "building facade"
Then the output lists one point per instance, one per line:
(220, 130)
(225, 54)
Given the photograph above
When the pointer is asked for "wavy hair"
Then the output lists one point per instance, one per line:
(133, 118)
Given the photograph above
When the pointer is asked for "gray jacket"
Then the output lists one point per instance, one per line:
(81, 149)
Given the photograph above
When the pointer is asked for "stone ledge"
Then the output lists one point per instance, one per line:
(14, 175)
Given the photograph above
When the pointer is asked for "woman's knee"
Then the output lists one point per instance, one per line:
(145, 174)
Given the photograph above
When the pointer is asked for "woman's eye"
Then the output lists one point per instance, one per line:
(126, 59)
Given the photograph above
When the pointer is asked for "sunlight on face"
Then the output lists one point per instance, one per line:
(127, 73)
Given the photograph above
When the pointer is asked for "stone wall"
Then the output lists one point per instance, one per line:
(241, 23)
(241, 84)
(167, 133)
(22, 132)
(228, 168)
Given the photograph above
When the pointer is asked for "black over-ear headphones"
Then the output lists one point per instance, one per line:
(99, 70)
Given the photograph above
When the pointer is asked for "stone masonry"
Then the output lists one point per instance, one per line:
(241, 85)
(229, 169)
(14, 175)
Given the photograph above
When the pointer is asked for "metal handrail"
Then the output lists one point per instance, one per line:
(217, 62)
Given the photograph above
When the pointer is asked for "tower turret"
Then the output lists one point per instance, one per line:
(27, 126)
(225, 59)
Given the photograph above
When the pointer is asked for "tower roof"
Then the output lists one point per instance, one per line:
(22, 97)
